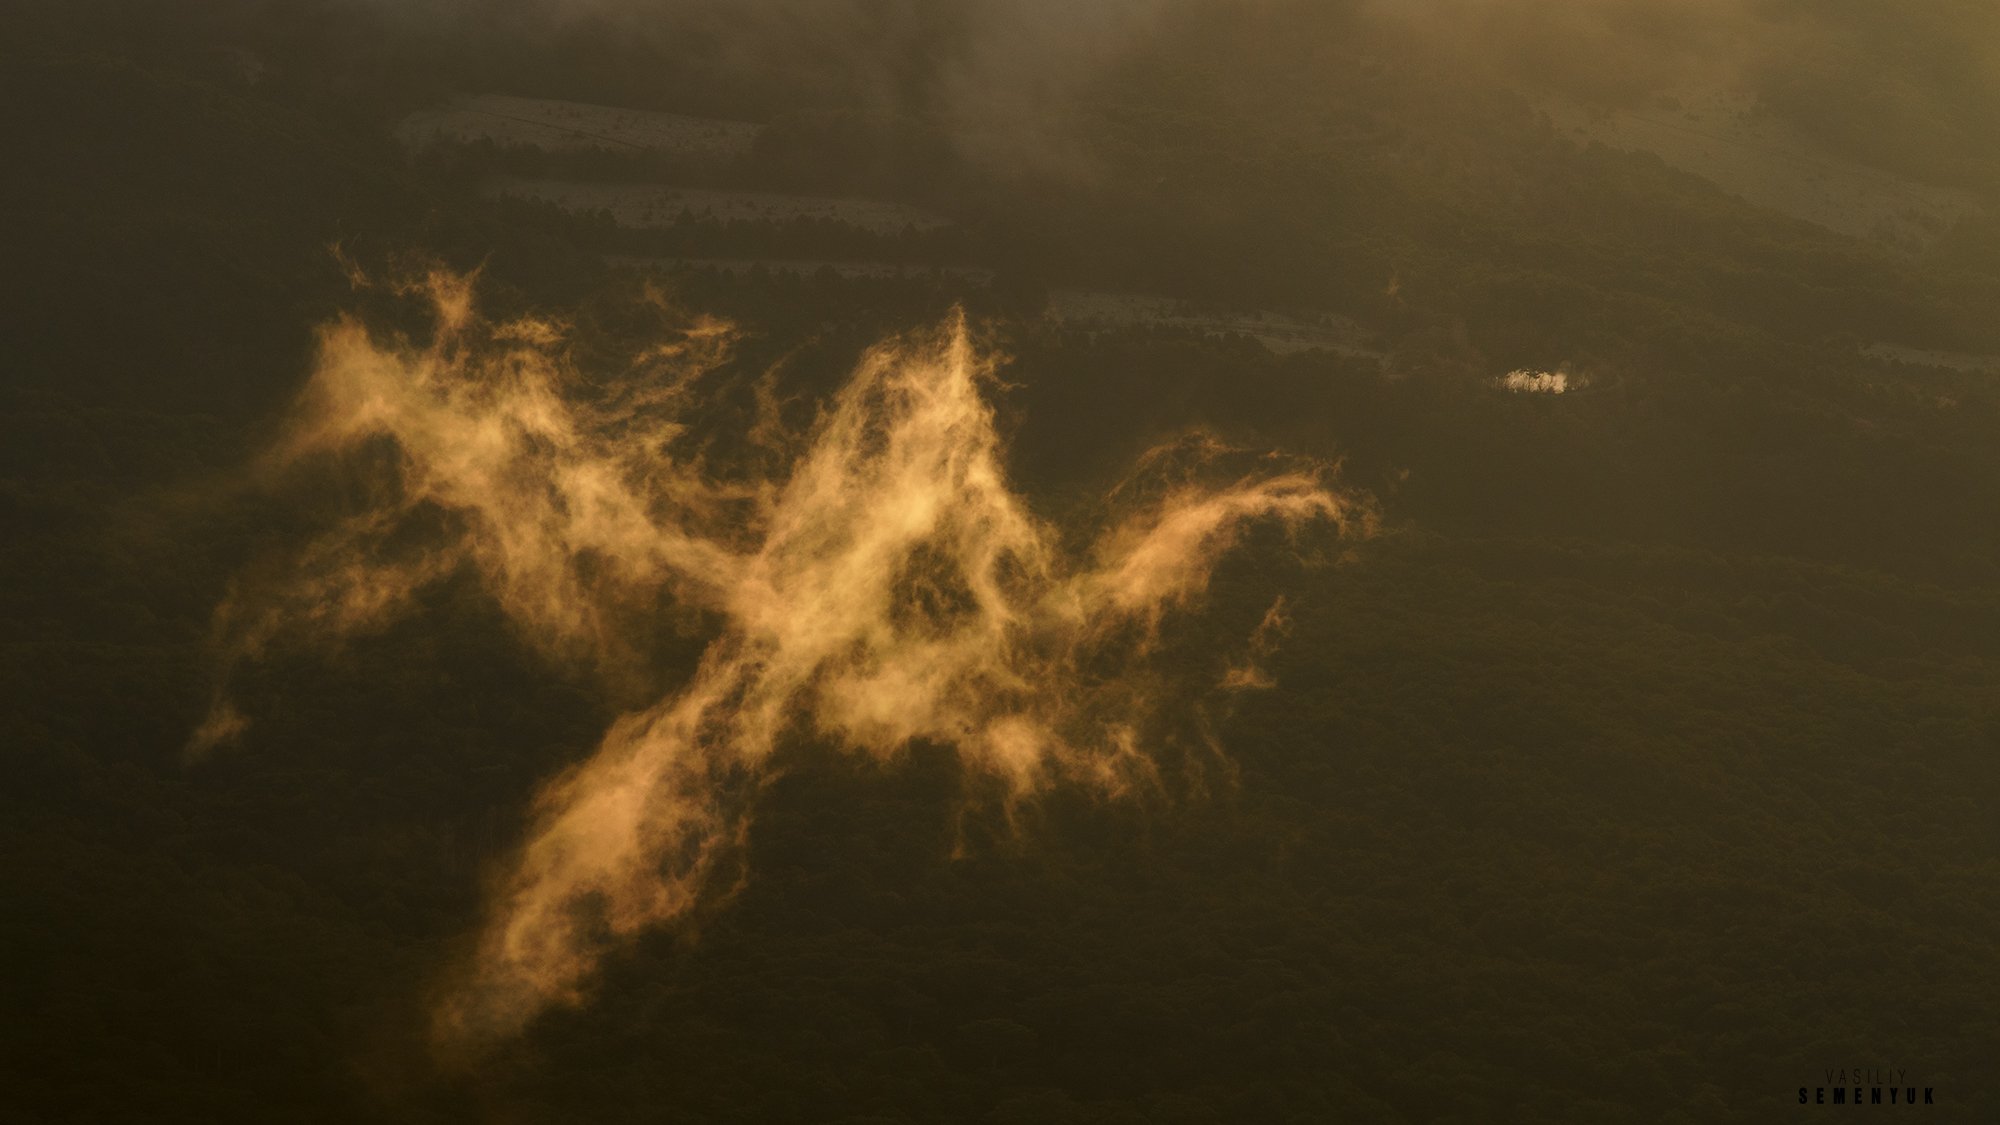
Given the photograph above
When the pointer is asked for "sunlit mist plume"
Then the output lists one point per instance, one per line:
(1249, 674)
(873, 580)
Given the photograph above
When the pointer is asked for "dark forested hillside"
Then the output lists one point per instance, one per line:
(1628, 751)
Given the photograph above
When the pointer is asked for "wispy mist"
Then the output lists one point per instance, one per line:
(875, 584)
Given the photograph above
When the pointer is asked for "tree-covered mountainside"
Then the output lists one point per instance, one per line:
(1641, 765)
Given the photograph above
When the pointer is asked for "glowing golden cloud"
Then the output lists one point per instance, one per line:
(883, 586)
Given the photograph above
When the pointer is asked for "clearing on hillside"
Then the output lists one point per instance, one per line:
(642, 205)
(558, 126)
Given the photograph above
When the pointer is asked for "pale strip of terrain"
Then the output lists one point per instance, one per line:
(1280, 332)
(1726, 138)
(809, 267)
(1086, 308)
(558, 126)
(1952, 361)
(642, 205)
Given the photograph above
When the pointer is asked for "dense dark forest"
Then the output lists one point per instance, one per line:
(1640, 764)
